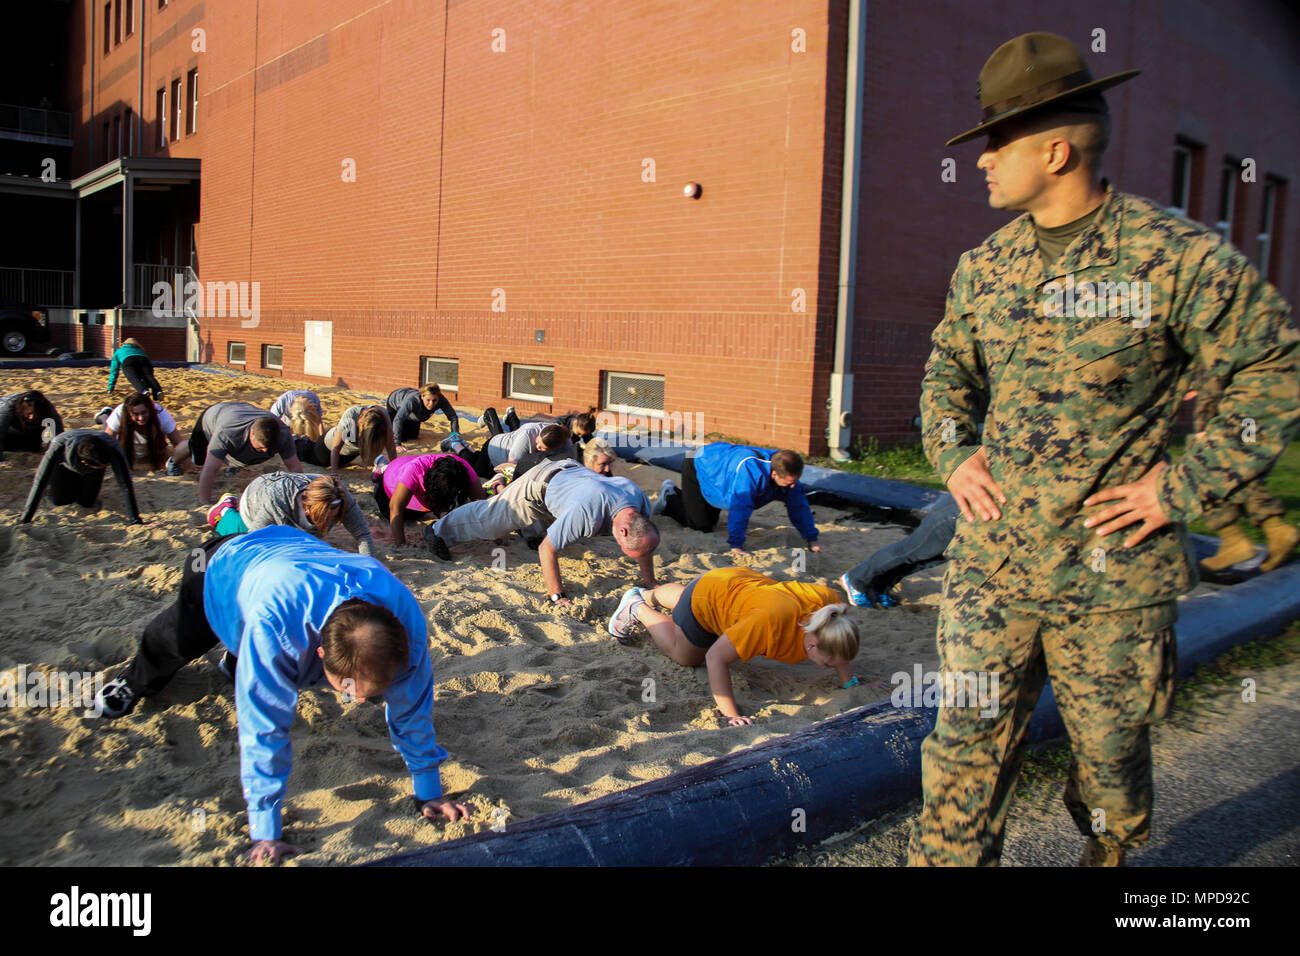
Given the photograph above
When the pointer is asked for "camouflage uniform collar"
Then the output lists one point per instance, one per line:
(1097, 245)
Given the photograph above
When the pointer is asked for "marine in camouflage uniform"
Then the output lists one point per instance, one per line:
(1082, 400)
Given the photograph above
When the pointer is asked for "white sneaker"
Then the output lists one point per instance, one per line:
(624, 616)
(661, 503)
(381, 462)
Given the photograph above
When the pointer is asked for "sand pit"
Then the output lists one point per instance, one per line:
(539, 708)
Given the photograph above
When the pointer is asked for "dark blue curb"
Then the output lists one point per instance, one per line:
(74, 363)
(744, 808)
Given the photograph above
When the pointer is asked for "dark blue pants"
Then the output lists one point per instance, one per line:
(921, 549)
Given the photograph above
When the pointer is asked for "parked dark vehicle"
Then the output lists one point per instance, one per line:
(22, 327)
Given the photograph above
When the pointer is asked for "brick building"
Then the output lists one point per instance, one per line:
(491, 194)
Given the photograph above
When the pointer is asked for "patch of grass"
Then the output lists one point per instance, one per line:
(906, 462)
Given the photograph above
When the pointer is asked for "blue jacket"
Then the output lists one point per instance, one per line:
(266, 595)
(739, 479)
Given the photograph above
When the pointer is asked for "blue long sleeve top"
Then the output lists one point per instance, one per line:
(115, 363)
(739, 479)
(267, 594)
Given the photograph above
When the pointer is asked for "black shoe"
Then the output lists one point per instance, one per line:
(533, 543)
(511, 419)
(437, 545)
(116, 699)
(227, 665)
(492, 422)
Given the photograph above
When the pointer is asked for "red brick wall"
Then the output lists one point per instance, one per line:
(163, 345)
(115, 77)
(524, 173)
(1228, 77)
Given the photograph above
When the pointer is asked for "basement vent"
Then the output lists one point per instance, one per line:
(443, 372)
(634, 393)
(534, 383)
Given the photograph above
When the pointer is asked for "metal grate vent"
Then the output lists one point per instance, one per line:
(531, 382)
(630, 392)
(443, 372)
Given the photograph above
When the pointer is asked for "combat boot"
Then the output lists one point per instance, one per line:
(1098, 854)
(1234, 547)
(1281, 538)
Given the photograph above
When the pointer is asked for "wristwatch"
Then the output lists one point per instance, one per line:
(558, 596)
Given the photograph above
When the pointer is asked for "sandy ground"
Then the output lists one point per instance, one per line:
(539, 708)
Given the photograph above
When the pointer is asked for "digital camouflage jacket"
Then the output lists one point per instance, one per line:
(1080, 365)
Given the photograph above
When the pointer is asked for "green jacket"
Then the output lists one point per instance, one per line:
(115, 365)
(1079, 402)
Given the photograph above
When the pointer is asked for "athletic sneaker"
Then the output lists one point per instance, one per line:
(173, 469)
(227, 665)
(624, 616)
(661, 503)
(436, 544)
(885, 600)
(381, 462)
(103, 414)
(511, 419)
(450, 442)
(116, 699)
(492, 422)
(224, 504)
(856, 598)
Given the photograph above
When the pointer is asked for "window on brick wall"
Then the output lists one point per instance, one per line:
(128, 131)
(1227, 198)
(443, 372)
(117, 135)
(162, 117)
(634, 392)
(235, 353)
(192, 102)
(273, 356)
(130, 17)
(533, 383)
(108, 143)
(178, 109)
(1189, 165)
(108, 26)
(117, 21)
(1269, 251)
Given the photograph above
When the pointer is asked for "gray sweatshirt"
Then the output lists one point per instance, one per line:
(276, 499)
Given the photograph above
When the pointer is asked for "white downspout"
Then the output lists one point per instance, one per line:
(839, 427)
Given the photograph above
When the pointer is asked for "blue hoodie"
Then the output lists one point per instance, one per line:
(266, 595)
(739, 479)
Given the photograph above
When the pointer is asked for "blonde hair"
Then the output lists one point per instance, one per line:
(304, 419)
(372, 433)
(835, 631)
(132, 341)
(597, 448)
(323, 501)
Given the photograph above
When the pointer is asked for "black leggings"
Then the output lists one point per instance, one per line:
(67, 486)
(179, 634)
(386, 504)
(688, 507)
(139, 372)
(318, 453)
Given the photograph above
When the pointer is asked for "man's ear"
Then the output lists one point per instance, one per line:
(320, 652)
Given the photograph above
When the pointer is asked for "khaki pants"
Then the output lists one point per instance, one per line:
(1113, 675)
(521, 506)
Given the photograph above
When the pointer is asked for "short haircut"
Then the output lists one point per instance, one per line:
(266, 430)
(787, 464)
(432, 390)
(553, 436)
(364, 641)
(89, 451)
(835, 631)
(642, 535)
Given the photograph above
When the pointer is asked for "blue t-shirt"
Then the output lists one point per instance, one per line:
(584, 503)
(267, 594)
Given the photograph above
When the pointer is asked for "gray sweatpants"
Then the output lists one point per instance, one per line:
(521, 505)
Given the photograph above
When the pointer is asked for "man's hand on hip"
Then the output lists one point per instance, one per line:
(1134, 502)
(974, 489)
